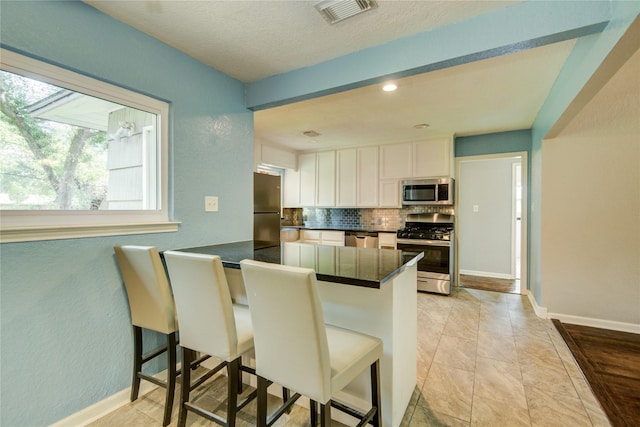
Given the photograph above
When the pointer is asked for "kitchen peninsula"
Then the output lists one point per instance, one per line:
(368, 290)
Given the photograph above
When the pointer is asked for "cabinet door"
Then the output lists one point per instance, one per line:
(431, 158)
(333, 238)
(386, 240)
(326, 179)
(291, 188)
(395, 161)
(326, 263)
(367, 170)
(390, 193)
(307, 167)
(308, 256)
(292, 255)
(346, 177)
(346, 261)
(311, 236)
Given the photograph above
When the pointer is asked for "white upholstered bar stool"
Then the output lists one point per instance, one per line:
(151, 306)
(211, 324)
(295, 348)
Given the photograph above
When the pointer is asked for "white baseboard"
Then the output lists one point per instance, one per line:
(106, 406)
(596, 323)
(583, 321)
(487, 274)
(540, 311)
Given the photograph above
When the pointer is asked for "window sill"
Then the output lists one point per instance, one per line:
(30, 234)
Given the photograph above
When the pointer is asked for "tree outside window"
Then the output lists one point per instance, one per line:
(63, 150)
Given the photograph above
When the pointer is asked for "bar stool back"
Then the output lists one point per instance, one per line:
(152, 307)
(209, 323)
(296, 349)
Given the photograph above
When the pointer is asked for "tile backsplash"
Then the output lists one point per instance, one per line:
(357, 218)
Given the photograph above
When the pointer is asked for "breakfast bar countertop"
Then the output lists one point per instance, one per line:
(366, 267)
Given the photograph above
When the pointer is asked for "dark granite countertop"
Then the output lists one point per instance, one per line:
(342, 228)
(366, 267)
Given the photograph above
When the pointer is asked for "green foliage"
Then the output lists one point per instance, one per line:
(36, 167)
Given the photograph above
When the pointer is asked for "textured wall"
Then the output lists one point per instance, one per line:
(65, 331)
(591, 207)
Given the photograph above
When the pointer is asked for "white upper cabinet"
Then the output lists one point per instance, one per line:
(276, 156)
(291, 188)
(307, 168)
(390, 193)
(431, 158)
(346, 177)
(395, 161)
(366, 176)
(416, 159)
(326, 179)
(367, 170)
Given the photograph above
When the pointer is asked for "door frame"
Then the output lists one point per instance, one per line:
(524, 171)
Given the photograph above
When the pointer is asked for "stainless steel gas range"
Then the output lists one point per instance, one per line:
(432, 234)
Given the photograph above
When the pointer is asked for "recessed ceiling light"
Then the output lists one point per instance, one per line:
(421, 126)
(311, 133)
(389, 87)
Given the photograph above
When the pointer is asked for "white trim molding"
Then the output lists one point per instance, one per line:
(104, 407)
(540, 311)
(30, 234)
(596, 323)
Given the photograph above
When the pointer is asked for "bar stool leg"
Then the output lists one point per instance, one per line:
(375, 393)
(285, 397)
(313, 408)
(171, 378)
(187, 359)
(233, 370)
(262, 402)
(325, 414)
(137, 361)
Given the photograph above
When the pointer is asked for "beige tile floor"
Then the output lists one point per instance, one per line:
(484, 359)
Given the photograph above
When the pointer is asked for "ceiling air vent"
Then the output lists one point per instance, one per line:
(337, 10)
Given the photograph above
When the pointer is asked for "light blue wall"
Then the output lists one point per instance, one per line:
(65, 333)
(65, 330)
(585, 58)
(511, 29)
(493, 143)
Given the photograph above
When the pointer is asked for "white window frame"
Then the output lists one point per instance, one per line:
(24, 225)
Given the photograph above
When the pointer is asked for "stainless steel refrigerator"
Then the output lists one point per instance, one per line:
(266, 210)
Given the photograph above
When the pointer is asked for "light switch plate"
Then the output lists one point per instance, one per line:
(211, 204)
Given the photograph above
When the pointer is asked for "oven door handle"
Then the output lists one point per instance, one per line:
(416, 242)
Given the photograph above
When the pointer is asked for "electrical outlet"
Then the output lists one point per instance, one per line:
(211, 204)
(476, 208)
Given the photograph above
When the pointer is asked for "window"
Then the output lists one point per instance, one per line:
(78, 157)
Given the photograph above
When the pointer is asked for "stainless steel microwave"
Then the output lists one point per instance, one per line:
(432, 191)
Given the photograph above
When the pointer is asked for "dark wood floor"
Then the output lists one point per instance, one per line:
(610, 360)
(490, 283)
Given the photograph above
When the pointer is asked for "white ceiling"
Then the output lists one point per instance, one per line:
(251, 40)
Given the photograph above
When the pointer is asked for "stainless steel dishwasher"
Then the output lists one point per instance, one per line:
(361, 239)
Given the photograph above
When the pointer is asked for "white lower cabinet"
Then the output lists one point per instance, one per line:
(307, 256)
(322, 237)
(326, 260)
(387, 240)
